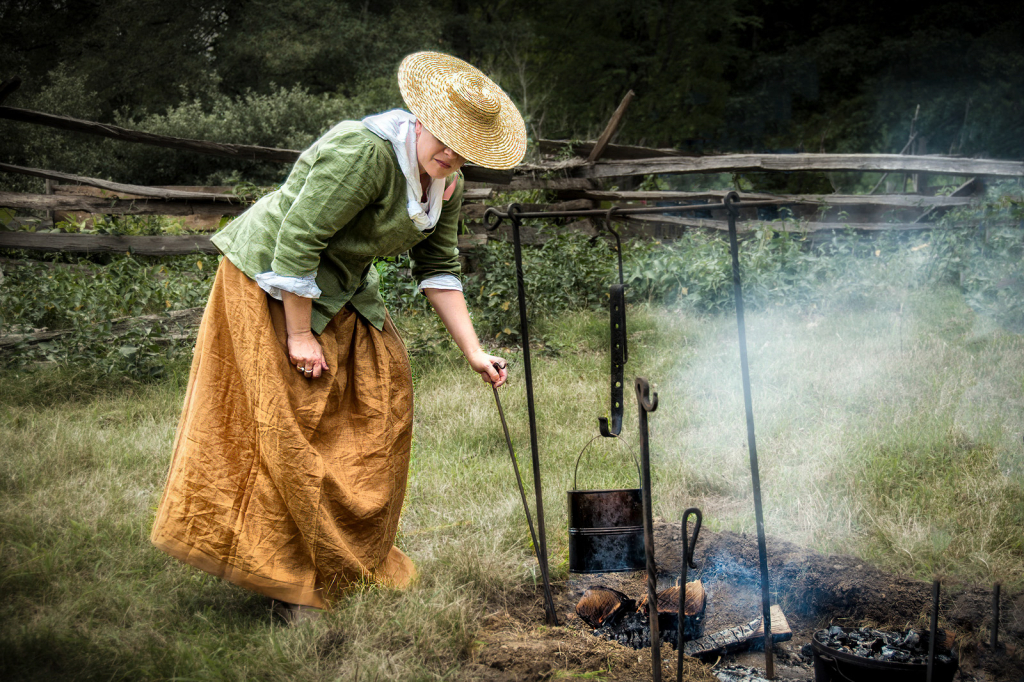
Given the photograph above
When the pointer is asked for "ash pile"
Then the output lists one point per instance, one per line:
(910, 646)
(616, 616)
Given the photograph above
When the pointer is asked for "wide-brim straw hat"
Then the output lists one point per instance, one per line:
(463, 108)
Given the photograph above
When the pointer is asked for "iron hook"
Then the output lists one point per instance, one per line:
(618, 240)
(687, 561)
(492, 219)
(730, 200)
(688, 547)
(647, 400)
(513, 212)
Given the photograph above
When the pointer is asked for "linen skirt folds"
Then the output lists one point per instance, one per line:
(288, 486)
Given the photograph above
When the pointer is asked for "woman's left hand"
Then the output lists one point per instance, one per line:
(492, 369)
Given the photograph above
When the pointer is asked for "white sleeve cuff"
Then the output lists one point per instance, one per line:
(273, 284)
(447, 282)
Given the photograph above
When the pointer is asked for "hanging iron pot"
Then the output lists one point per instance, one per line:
(606, 531)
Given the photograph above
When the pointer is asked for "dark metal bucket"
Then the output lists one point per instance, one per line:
(606, 529)
(831, 665)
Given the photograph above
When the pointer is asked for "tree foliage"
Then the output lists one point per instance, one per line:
(772, 75)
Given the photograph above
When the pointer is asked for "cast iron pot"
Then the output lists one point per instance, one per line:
(831, 665)
(606, 528)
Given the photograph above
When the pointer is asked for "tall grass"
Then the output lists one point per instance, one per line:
(888, 389)
(890, 431)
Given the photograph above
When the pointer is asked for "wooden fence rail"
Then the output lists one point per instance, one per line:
(244, 152)
(113, 206)
(105, 243)
(572, 180)
(143, 246)
(865, 163)
(118, 187)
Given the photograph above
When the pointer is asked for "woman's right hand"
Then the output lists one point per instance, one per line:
(305, 353)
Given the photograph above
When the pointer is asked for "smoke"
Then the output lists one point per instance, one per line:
(869, 398)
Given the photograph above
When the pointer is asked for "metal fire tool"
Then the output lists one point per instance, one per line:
(730, 201)
(492, 218)
(548, 600)
(994, 639)
(649, 403)
(619, 352)
(688, 547)
(935, 629)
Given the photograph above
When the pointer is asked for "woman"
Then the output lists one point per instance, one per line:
(292, 453)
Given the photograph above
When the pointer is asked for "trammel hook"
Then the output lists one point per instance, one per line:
(618, 240)
(646, 399)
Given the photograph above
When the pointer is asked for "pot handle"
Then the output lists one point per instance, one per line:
(579, 456)
(835, 663)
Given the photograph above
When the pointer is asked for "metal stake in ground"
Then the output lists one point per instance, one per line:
(647, 404)
(769, 663)
(994, 639)
(688, 547)
(524, 333)
(548, 601)
(935, 629)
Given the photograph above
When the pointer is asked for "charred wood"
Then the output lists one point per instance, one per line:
(601, 605)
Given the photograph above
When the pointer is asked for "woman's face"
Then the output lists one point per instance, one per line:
(436, 159)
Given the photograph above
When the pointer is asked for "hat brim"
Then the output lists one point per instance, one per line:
(463, 108)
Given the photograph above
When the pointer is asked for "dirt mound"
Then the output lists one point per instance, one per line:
(813, 590)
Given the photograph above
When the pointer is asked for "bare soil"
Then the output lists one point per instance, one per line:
(813, 590)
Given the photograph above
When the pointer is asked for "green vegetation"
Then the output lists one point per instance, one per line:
(887, 393)
(741, 75)
(889, 430)
(979, 250)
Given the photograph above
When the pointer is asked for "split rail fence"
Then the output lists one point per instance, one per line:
(574, 183)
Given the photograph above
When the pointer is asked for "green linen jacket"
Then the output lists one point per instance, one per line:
(343, 204)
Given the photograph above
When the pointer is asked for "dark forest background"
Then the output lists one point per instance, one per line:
(732, 75)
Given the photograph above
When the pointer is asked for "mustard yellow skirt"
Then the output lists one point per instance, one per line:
(288, 486)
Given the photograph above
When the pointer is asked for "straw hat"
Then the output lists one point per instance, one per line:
(463, 108)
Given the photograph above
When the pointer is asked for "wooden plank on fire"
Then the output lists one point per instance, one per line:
(740, 637)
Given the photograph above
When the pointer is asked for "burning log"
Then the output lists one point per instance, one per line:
(603, 606)
(668, 600)
(668, 610)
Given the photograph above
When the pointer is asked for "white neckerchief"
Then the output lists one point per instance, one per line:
(399, 127)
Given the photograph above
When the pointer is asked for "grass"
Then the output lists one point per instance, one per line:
(891, 431)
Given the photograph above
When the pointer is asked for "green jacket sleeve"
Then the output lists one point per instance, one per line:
(438, 254)
(344, 176)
